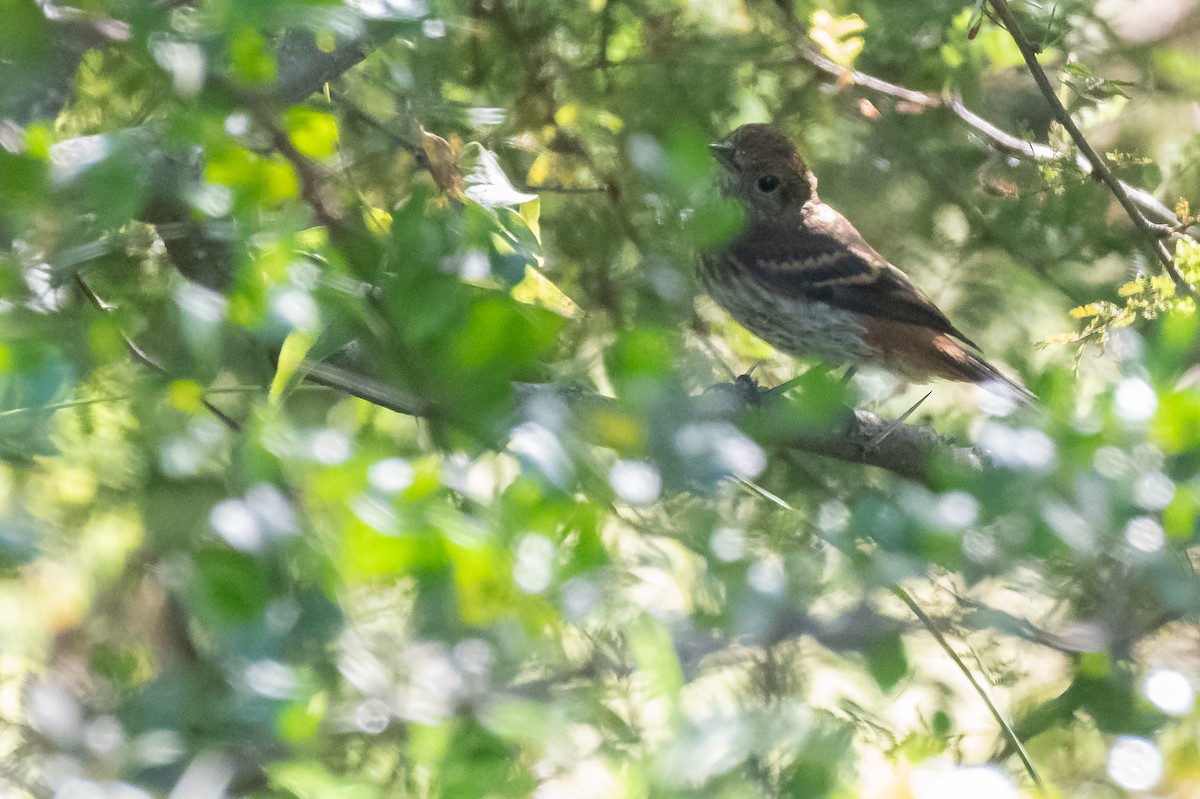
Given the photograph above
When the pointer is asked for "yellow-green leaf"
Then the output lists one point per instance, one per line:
(291, 358)
(313, 132)
(251, 61)
(537, 289)
(839, 37)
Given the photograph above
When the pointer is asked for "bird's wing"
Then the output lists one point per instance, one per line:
(827, 260)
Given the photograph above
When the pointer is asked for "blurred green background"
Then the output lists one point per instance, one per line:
(537, 553)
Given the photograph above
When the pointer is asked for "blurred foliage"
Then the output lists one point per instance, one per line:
(536, 554)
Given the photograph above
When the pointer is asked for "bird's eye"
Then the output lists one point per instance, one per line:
(768, 183)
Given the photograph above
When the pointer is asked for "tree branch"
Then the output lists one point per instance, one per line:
(1140, 204)
(911, 451)
(908, 450)
(304, 66)
(1154, 232)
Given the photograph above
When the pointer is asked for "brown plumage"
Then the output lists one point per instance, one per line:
(801, 277)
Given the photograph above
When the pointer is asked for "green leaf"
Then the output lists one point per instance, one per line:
(252, 63)
(887, 660)
(654, 652)
(231, 585)
(531, 212)
(310, 779)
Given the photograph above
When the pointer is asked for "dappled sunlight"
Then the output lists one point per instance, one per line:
(371, 423)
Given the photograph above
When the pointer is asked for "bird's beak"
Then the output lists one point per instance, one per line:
(723, 152)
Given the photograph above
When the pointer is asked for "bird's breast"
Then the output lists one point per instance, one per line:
(793, 325)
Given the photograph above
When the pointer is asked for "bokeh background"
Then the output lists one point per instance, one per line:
(363, 432)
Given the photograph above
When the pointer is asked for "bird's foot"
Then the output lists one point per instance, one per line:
(754, 393)
(750, 390)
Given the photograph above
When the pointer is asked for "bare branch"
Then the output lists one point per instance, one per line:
(938, 636)
(907, 450)
(1154, 232)
(1151, 216)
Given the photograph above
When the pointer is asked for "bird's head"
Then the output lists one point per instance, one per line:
(762, 169)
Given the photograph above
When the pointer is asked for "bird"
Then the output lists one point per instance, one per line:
(801, 277)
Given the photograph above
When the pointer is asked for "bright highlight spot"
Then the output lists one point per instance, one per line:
(237, 124)
(1111, 462)
(233, 520)
(203, 305)
(330, 447)
(186, 63)
(646, 154)
(833, 516)
(1170, 692)
(580, 596)
(977, 782)
(212, 199)
(272, 508)
(540, 446)
(1023, 448)
(297, 308)
(995, 399)
(474, 266)
(1134, 400)
(728, 544)
(1135, 763)
(271, 678)
(534, 566)
(731, 450)
(636, 482)
(1070, 526)
(741, 456)
(79, 788)
(390, 475)
(957, 510)
(1145, 534)
(389, 9)
(767, 576)
(1153, 491)
(372, 716)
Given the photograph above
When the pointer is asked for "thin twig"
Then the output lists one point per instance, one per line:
(411, 148)
(538, 188)
(1145, 204)
(306, 171)
(1155, 232)
(365, 388)
(143, 357)
(932, 627)
(1009, 733)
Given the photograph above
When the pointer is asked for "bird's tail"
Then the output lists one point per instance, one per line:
(977, 370)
